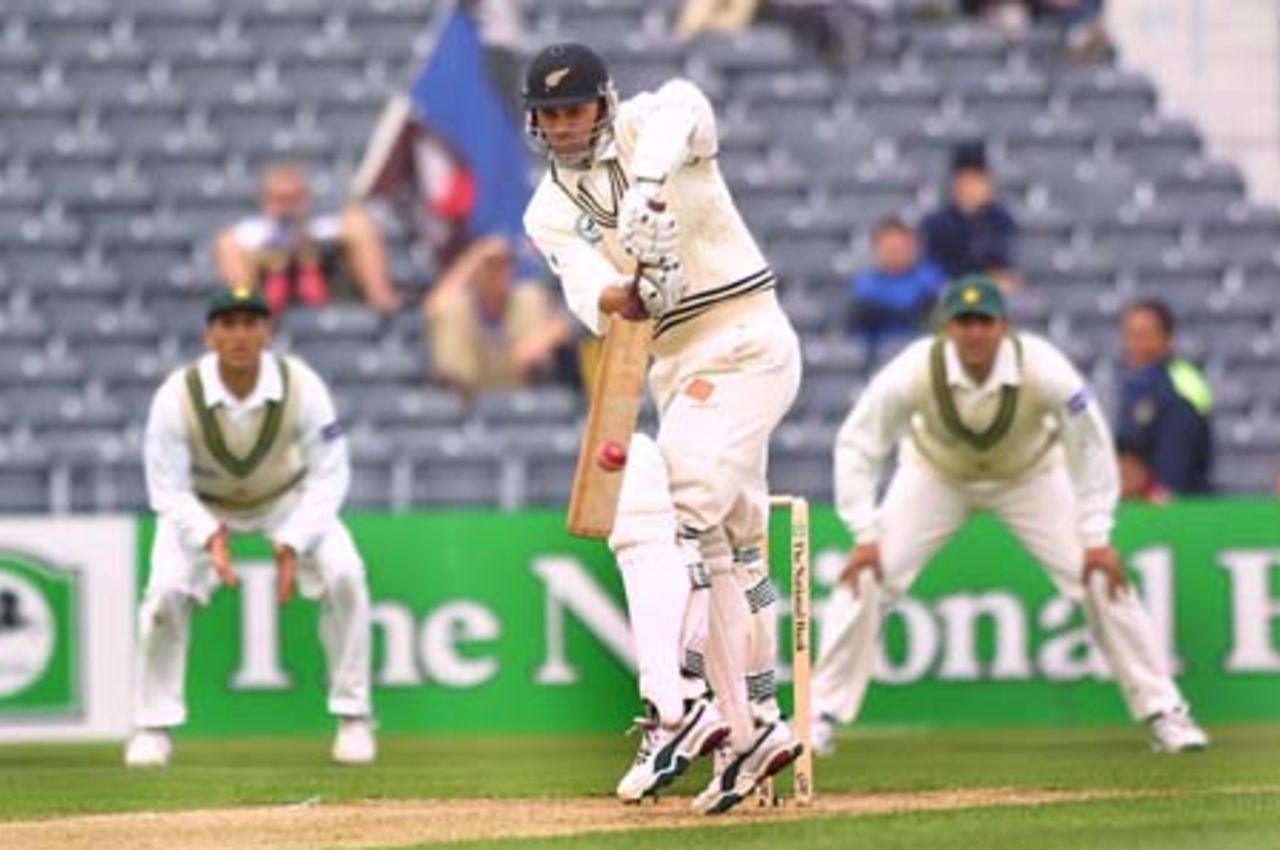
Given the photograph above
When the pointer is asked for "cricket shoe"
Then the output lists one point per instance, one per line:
(1174, 731)
(149, 748)
(665, 753)
(774, 747)
(354, 744)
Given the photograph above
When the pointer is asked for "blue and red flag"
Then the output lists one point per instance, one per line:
(453, 151)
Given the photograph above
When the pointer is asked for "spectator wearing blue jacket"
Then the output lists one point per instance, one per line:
(893, 299)
(973, 233)
(1165, 402)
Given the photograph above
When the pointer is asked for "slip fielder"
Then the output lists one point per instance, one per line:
(985, 419)
(245, 440)
(726, 367)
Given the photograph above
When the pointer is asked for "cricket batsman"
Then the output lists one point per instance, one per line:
(985, 419)
(244, 440)
(635, 218)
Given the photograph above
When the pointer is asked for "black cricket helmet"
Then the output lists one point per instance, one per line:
(564, 75)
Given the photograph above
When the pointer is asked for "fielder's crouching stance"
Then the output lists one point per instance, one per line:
(244, 440)
(997, 421)
(726, 367)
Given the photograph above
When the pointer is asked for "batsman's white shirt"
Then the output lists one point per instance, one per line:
(665, 135)
(305, 519)
(726, 359)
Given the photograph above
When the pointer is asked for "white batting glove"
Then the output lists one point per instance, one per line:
(647, 234)
(660, 286)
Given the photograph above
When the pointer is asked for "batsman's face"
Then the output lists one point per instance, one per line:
(238, 338)
(569, 129)
(977, 339)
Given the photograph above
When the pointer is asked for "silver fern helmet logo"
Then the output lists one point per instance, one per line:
(554, 78)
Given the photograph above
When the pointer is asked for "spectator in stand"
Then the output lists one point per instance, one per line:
(835, 30)
(491, 331)
(1011, 17)
(1081, 19)
(1165, 402)
(894, 298)
(973, 233)
(296, 257)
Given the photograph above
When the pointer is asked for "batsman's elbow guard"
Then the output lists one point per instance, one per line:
(646, 513)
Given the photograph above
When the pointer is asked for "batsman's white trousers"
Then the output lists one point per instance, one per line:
(720, 399)
(181, 577)
(920, 512)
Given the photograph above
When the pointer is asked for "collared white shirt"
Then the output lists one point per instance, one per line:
(667, 135)
(298, 520)
(883, 413)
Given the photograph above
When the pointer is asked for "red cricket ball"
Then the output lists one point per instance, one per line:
(611, 456)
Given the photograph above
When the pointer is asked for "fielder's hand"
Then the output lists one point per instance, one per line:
(660, 286)
(286, 571)
(1103, 559)
(646, 229)
(220, 555)
(861, 559)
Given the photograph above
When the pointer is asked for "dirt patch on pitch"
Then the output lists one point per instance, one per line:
(391, 823)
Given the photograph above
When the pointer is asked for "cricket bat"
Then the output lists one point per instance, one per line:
(615, 406)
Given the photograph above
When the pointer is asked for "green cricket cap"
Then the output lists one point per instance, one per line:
(229, 299)
(973, 294)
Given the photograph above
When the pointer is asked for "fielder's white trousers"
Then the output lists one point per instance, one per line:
(920, 512)
(181, 578)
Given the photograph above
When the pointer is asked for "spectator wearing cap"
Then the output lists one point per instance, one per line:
(1165, 402)
(893, 299)
(973, 233)
(294, 256)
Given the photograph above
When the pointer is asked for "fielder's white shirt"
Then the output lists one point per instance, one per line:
(300, 518)
(670, 135)
(882, 418)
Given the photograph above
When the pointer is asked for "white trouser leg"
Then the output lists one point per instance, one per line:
(918, 514)
(180, 577)
(693, 635)
(655, 570)
(335, 575)
(728, 642)
(1041, 513)
(748, 528)
(762, 662)
(657, 586)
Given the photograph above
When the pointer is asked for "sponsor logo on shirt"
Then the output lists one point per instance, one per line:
(332, 431)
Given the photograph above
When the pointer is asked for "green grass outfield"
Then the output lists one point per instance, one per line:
(1227, 798)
